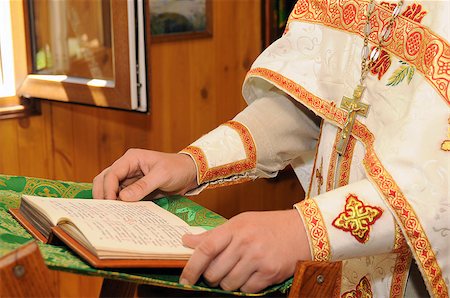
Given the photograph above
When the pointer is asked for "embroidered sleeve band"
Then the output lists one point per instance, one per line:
(348, 222)
(224, 155)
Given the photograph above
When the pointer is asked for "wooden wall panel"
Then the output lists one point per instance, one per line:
(195, 86)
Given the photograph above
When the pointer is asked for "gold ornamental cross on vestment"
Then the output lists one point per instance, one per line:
(355, 107)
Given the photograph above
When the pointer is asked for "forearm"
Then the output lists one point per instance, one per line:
(259, 142)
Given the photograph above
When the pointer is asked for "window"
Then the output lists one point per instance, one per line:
(7, 85)
(86, 51)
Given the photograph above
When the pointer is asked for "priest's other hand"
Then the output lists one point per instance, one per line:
(140, 172)
(250, 252)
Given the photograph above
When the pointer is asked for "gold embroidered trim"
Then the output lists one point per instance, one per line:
(411, 41)
(405, 214)
(317, 231)
(363, 290)
(206, 174)
(400, 274)
(402, 264)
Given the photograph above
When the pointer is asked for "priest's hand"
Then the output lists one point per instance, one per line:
(250, 252)
(139, 173)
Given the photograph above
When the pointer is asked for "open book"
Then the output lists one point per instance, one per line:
(108, 233)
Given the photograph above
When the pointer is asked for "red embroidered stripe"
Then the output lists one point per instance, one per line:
(411, 41)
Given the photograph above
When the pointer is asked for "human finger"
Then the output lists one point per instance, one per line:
(213, 244)
(255, 283)
(222, 265)
(238, 275)
(129, 181)
(142, 187)
(123, 168)
(193, 240)
(97, 186)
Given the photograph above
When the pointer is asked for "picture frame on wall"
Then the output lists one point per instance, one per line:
(180, 19)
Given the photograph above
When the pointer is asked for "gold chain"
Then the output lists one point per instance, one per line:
(368, 59)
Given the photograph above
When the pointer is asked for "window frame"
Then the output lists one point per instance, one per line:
(128, 89)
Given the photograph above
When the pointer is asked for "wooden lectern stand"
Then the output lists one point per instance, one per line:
(23, 273)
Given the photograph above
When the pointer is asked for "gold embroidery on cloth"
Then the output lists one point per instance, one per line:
(357, 218)
(363, 290)
(393, 195)
(227, 170)
(320, 243)
(413, 42)
(402, 264)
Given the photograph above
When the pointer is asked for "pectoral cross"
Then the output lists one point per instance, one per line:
(355, 107)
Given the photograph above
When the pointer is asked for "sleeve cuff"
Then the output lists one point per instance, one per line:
(349, 222)
(224, 156)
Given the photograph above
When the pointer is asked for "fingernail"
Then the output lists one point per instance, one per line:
(184, 281)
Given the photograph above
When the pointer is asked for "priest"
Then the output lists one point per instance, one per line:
(355, 96)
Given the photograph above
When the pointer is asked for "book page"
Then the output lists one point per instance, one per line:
(138, 227)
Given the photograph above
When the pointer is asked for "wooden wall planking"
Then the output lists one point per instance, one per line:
(195, 86)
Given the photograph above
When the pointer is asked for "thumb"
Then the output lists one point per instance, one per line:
(139, 189)
(192, 240)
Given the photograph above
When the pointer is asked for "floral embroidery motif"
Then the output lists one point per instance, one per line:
(404, 71)
(357, 218)
(415, 13)
(382, 64)
(363, 290)
(414, 43)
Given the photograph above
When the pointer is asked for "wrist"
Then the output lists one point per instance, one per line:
(191, 167)
(301, 237)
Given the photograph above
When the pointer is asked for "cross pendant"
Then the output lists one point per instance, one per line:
(355, 107)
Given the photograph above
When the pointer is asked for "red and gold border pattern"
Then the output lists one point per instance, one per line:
(206, 174)
(344, 169)
(404, 212)
(411, 41)
(402, 264)
(400, 274)
(320, 243)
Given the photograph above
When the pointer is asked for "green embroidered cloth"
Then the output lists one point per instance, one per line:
(12, 235)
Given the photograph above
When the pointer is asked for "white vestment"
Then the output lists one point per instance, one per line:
(385, 201)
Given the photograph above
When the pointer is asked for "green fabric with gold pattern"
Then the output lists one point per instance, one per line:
(12, 235)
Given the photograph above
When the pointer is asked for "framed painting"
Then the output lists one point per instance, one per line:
(180, 19)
